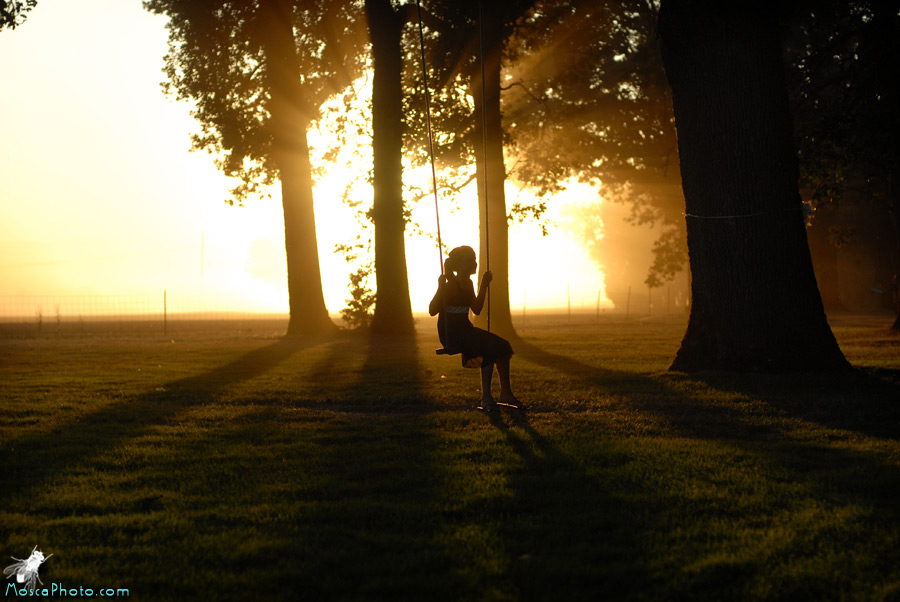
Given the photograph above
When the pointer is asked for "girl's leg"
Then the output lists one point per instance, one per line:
(487, 374)
(506, 394)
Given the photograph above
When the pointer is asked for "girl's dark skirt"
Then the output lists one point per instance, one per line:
(460, 336)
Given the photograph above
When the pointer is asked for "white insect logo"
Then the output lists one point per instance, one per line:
(26, 571)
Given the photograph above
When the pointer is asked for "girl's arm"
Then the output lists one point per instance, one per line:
(437, 303)
(478, 303)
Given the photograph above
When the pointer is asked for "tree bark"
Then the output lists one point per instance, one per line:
(393, 312)
(289, 121)
(755, 304)
(493, 224)
(308, 314)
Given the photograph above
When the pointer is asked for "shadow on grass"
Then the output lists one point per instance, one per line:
(373, 521)
(568, 535)
(274, 498)
(603, 379)
(346, 497)
(31, 461)
(865, 402)
(382, 526)
(805, 464)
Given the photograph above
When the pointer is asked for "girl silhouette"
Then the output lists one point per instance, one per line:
(454, 298)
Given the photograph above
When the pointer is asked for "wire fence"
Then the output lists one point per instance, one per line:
(170, 313)
(162, 313)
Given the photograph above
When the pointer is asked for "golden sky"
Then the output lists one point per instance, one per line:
(99, 194)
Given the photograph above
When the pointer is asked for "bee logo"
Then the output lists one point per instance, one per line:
(26, 571)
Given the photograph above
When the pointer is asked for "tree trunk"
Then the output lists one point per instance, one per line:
(289, 120)
(493, 224)
(308, 314)
(755, 304)
(393, 312)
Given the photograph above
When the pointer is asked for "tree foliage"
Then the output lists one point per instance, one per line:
(845, 55)
(358, 312)
(468, 44)
(847, 97)
(589, 99)
(257, 72)
(216, 61)
(14, 12)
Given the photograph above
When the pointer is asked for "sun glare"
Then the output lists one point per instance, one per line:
(130, 211)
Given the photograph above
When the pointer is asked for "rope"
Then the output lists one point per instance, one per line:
(437, 213)
(487, 226)
(739, 216)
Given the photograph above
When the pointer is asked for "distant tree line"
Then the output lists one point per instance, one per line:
(690, 111)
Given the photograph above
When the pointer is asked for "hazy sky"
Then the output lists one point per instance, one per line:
(100, 195)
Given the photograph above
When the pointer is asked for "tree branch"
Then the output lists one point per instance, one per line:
(527, 91)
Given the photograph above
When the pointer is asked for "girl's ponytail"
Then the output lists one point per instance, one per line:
(458, 257)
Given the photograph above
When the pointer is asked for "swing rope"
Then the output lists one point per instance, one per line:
(487, 226)
(437, 213)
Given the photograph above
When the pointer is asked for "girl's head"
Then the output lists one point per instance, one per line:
(462, 261)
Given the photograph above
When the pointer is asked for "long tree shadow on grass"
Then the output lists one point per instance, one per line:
(865, 402)
(34, 459)
(602, 379)
(372, 526)
(362, 506)
(271, 496)
(568, 534)
(817, 440)
(799, 469)
(860, 401)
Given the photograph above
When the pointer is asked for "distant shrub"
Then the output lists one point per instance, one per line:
(358, 313)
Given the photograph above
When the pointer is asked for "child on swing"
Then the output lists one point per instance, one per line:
(454, 298)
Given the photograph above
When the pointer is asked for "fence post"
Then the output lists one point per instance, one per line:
(628, 303)
(165, 315)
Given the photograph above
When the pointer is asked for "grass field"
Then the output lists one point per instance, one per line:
(235, 465)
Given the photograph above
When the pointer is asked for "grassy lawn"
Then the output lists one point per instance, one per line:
(244, 467)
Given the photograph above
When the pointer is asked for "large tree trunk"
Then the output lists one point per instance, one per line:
(289, 120)
(493, 224)
(309, 315)
(393, 313)
(755, 304)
